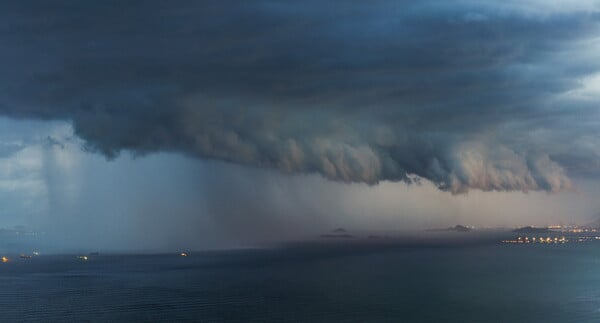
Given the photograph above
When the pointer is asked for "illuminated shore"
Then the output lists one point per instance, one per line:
(549, 240)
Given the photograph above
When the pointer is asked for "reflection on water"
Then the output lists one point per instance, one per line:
(496, 283)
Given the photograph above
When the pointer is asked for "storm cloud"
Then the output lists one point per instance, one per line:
(466, 94)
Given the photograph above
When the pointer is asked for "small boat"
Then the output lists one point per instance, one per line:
(24, 256)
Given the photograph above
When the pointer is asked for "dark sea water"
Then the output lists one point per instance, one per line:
(493, 283)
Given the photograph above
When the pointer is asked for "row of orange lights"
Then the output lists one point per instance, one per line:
(537, 240)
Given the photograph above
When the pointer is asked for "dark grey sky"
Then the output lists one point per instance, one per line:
(464, 96)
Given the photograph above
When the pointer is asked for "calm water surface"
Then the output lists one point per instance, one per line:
(495, 283)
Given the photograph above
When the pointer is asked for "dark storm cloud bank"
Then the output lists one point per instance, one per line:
(467, 95)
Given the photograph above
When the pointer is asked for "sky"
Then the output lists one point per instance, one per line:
(154, 125)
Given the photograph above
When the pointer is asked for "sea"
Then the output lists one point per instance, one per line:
(492, 282)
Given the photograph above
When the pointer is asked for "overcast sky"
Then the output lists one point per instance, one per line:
(161, 124)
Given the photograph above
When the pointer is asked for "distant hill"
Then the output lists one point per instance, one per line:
(530, 229)
(343, 236)
(460, 228)
(338, 233)
(456, 228)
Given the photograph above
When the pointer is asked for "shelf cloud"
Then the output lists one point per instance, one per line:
(468, 95)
